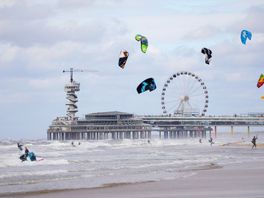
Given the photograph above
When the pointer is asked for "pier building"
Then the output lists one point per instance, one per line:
(103, 125)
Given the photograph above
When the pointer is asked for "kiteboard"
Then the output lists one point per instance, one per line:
(39, 159)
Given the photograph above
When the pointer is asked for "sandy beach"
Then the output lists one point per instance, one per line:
(235, 180)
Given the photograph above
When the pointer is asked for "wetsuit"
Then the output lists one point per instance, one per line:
(25, 155)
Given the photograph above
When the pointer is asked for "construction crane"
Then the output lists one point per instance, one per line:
(78, 70)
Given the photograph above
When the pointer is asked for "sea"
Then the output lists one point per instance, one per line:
(100, 163)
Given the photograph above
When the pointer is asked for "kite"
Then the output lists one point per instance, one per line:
(143, 42)
(208, 55)
(262, 97)
(123, 58)
(260, 81)
(148, 84)
(245, 35)
(138, 37)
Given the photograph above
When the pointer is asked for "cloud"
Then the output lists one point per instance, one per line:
(7, 3)
(24, 10)
(7, 54)
(252, 19)
(204, 33)
(68, 4)
(80, 4)
(45, 34)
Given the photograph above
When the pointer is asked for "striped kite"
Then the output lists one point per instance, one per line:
(260, 81)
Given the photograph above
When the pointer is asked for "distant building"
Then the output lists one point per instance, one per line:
(256, 114)
(96, 126)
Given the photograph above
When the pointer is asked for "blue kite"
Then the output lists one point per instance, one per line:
(245, 34)
(148, 84)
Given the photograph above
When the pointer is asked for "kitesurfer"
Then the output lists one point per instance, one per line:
(29, 155)
(23, 157)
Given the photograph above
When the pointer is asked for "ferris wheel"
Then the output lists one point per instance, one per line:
(184, 94)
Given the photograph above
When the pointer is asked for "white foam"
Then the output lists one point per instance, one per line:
(32, 173)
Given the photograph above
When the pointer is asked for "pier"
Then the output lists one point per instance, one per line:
(196, 126)
(121, 125)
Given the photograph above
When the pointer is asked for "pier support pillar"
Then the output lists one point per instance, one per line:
(165, 134)
(149, 135)
(215, 131)
(232, 130)
(248, 130)
(170, 135)
(133, 135)
(88, 136)
(204, 134)
(48, 136)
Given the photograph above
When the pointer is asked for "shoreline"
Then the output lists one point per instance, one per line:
(232, 180)
(196, 170)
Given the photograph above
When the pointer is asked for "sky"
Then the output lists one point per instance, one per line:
(41, 38)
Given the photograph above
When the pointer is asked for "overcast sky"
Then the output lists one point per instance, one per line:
(40, 38)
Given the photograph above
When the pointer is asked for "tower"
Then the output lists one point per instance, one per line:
(71, 96)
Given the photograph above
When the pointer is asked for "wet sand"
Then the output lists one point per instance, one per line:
(236, 180)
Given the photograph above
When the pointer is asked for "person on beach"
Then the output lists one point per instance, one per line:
(254, 139)
(211, 141)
